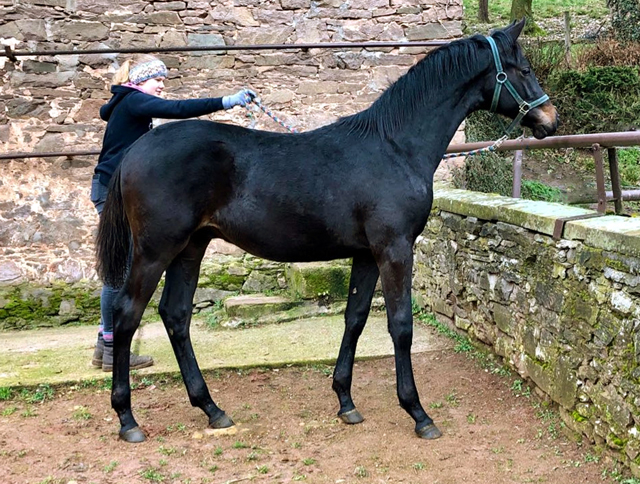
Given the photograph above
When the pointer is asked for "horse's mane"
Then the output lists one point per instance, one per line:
(415, 88)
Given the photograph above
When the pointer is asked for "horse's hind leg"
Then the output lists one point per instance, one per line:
(395, 263)
(364, 276)
(128, 308)
(175, 309)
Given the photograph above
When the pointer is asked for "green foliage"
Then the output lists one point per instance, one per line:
(599, 99)
(5, 393)
(463, 345)
(534, 190)
(625, 19)
(629, 166)
(545, 58)
(39, 395)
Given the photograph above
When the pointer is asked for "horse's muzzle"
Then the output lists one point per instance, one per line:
(542, 120)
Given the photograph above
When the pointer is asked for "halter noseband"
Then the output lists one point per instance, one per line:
(501, 79)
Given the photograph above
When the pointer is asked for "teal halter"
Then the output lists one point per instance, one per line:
(501, 79)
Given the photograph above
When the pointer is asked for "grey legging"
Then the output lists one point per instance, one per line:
(108, 295)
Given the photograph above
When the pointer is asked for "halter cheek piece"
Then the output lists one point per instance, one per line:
(502, 80)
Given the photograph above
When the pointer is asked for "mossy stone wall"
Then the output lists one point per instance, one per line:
(31, 305)
(565, 314)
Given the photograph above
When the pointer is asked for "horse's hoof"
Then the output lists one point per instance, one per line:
(429, 432)
(133, 436)
(351, 417)
(222, 422)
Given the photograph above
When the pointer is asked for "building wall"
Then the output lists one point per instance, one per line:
(51, 103)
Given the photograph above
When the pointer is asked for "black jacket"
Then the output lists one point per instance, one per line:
(129, 114)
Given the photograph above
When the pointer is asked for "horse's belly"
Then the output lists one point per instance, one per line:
(283, 250)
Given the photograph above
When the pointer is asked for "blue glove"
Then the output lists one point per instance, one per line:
(241, 98)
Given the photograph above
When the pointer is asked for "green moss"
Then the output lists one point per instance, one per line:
(318, 280)
(26, 306)
(616, 264)
(577, 417)
(223, 280)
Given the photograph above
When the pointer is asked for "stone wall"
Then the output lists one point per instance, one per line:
(565, 314)
(51, 103)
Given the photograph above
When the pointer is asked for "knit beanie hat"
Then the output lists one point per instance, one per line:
(147, 70)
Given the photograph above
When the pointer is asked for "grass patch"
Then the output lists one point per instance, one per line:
(6, 393)
(500, 10)
(463, 344)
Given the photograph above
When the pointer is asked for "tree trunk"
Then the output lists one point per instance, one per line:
(522, 8)
(483, 11)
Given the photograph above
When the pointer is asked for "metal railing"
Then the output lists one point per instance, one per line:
(14, 54)
(596, 142)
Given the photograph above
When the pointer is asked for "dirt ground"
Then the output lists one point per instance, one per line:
(287, 431)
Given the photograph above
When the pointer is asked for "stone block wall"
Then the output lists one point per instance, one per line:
(51, 103)
(564, 314)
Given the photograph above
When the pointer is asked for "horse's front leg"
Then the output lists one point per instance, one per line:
(396, 263)
(364, 275)
(129, 306)
(175, 309)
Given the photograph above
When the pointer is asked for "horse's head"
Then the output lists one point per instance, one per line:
(512, 88)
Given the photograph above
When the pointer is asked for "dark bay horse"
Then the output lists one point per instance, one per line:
(360, 188)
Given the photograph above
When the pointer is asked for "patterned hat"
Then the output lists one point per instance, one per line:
(147, 70)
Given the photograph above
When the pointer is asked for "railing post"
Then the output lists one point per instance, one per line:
(615, 179)
(602, 194)
(567, 38)
(517, 174)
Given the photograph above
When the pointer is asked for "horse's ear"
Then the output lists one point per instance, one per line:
(515, 29)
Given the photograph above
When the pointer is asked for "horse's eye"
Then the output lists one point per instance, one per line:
(526, 71)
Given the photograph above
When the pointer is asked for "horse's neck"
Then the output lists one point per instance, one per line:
(429, 131)
(428, 135)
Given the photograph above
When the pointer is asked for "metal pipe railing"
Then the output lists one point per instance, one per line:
(13, 54)
(606, 140)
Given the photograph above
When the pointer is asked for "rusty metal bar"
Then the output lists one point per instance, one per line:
(200, 48)
(602, 194)
(517, 174)
(625, 195)
(606, 140)
(558, 228)
(48, 154)
(615, 179)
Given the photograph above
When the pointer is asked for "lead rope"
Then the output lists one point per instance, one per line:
(268, 112)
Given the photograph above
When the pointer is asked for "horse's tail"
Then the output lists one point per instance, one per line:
(114, 235)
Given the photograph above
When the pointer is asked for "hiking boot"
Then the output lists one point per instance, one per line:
(96, 360)
(135, 361)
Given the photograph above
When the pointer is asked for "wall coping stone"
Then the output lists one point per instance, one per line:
(610, 232)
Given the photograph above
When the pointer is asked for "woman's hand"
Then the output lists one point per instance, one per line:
(241, 98)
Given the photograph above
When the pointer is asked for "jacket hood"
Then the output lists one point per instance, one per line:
(119, 93)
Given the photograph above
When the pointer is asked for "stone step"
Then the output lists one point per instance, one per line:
(258, 309)
(252, 306)
(318, 280)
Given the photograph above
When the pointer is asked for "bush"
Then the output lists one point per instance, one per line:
(625, 19)
(599, 99)
(607, 52)
(487, 172)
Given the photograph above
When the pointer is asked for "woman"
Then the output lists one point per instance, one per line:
(136, 89)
